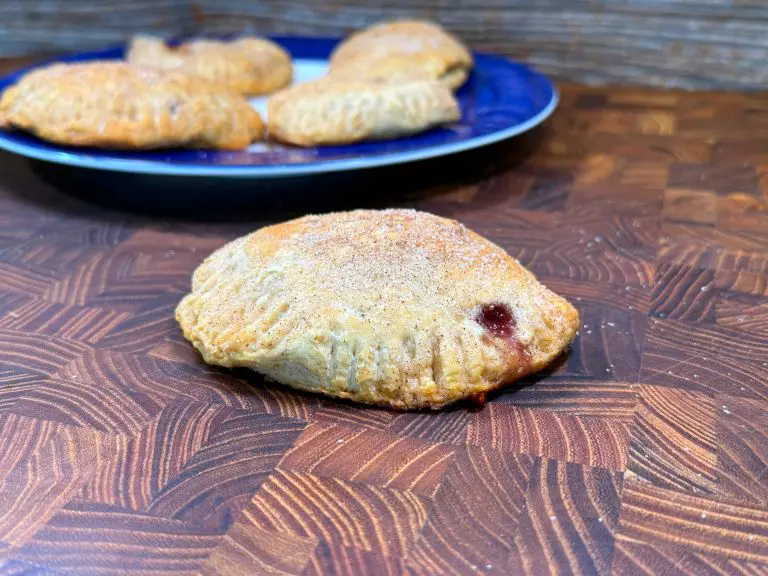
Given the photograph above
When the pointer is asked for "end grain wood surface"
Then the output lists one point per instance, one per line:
(645, 451)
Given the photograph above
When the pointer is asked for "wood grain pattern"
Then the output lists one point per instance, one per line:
(552, 435)
(91, 538)
(641, 451)
(249, 549)
(463, 514)
(140, 467)
(699, 524)
(348, 560)
(671, 447)
(57, 26)
(635, 557)
(705, 358)
(674, 43)
(390, 461)
(570, 519)
(742, 453)
(365, 517)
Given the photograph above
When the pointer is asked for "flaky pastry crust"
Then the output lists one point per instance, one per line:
(117, 105)
(403, 50)
(397, 308)
(329, 111)
(248, 66)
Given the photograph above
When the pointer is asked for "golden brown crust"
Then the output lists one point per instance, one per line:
(403, 50)
(397, 308)
(329, 111)
(249, 66)
(116, 105)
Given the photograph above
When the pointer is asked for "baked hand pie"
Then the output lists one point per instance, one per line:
(403, 50)
(117, 105)
(248, 66)
(328, 111)
(397, 308)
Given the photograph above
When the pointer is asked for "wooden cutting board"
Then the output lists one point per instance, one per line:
(644, 451)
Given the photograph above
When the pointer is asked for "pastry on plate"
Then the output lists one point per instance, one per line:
(117, 105)
(397, 308)
(403, 49)
(327, 111)
(248, 66)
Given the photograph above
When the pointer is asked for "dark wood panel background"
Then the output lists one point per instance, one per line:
(693, 44)
(30, 28)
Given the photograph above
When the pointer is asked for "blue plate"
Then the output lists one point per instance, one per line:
(501, 99)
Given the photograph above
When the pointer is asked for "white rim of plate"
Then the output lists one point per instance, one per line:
(282, 170)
